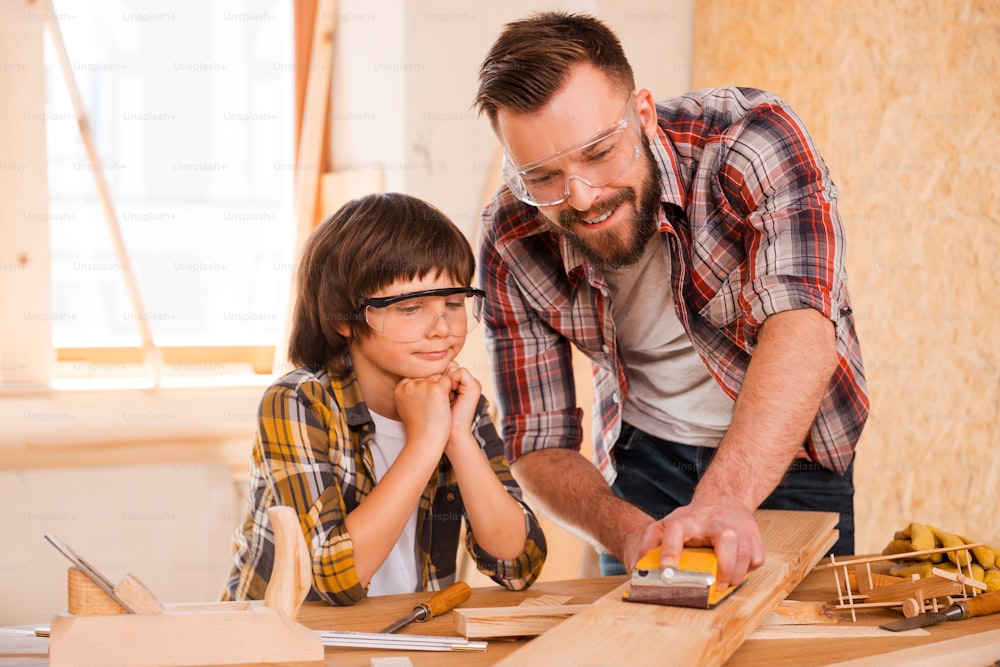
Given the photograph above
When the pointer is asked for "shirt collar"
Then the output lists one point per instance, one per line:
(672, 188)
(347, 391)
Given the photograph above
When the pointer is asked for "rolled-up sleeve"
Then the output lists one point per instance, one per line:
(774, 180)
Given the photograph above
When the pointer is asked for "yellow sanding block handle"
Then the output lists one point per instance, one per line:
(446, 600)
(696, 559)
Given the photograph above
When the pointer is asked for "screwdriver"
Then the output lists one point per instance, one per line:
(437, 604)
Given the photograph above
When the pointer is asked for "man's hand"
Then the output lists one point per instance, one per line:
(730, 529)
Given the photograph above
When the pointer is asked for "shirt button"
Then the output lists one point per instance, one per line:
(614, 397)
(450, 497)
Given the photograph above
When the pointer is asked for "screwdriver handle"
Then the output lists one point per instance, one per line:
(982, 605)
(446, 600)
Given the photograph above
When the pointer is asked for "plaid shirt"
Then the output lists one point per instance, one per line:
(313, 453)
(750, 223)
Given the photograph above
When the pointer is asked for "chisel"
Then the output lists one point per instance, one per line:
(436, 605)
(981, 605)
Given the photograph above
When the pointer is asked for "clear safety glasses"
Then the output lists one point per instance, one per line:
(409, 317)
(596, 162)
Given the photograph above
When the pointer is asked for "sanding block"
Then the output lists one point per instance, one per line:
(690, 584)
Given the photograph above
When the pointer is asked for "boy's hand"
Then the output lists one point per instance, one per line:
(465, 393)
(424, 405)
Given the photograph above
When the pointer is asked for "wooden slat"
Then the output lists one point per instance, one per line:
(177, 360)
(613, 631)
(518, 621)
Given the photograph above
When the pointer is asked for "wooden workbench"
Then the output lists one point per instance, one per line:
(375, 613)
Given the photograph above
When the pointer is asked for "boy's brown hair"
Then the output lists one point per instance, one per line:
(529, 61)
(365, 246)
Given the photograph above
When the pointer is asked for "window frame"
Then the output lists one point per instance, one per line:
(33, 359)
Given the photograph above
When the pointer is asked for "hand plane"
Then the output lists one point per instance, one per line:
(690, 584)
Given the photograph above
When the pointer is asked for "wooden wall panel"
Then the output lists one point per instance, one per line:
(26, 314)
(902, 97)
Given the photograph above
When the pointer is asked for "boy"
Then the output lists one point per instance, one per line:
(379, 440)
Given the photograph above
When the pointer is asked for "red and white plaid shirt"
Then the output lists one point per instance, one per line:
(750, 222)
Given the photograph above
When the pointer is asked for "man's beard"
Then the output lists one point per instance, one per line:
(605, 249)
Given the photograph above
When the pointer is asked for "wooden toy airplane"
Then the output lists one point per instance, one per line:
(859, 587)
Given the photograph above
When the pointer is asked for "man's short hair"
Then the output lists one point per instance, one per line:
(531, 58)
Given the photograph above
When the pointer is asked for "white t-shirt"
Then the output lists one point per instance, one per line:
(671, 394)
(398, 573)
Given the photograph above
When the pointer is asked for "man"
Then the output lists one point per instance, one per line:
(693, 251)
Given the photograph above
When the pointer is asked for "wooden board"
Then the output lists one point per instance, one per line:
(521, 621)
(613, 631)
(216, 634)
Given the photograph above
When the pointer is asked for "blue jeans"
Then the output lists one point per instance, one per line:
(659, 476)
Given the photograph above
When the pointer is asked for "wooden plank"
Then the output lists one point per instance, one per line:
(519, 621)
(309, 162)
(978, 649)
(617, 632)
(309, 167)
(25, 277)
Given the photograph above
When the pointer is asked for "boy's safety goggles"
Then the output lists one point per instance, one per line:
(411, 316)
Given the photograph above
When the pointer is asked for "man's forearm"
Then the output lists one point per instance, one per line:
(787, 378)
(568, 488)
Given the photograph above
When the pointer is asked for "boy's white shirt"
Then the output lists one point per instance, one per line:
(398, 573)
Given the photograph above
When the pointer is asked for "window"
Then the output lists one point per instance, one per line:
(191, 109)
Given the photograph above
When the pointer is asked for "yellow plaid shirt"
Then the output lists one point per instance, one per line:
(313, 453)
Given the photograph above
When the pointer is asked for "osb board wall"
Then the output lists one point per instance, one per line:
(903, 99)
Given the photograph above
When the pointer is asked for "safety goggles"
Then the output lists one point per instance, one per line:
(595, 162)
(411, 316)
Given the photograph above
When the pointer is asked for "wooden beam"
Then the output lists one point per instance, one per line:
(304, 16)
(26, 317)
